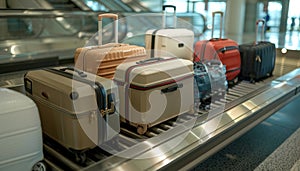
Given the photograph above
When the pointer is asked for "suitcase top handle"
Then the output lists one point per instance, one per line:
(164, 17)
(79, 72)
(213, 23)
(262, 30)
(107, 15)
(149, 60)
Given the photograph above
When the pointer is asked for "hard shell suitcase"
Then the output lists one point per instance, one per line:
(258, 58)
(226, 49)
(209, 79)
(177, 42)
(76, 108)
(102, 60)
(154, 90)
(21, 144)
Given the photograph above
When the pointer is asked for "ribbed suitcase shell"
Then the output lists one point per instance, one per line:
(154, 91)
(21, 144)
(103, 60)
(69, 110)
(258, 58)
(258, 61)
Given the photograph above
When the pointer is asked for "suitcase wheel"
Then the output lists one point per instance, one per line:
(142, 129)
(80, 157)
(235, 80)
(252, 81)
(39, 166)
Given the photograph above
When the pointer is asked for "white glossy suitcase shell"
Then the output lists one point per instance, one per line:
(171, 42)
(166, 42)
(150, 106)
(72, 123)
(21, 145)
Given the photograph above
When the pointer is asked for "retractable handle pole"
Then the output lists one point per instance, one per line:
(262, 30)
(213, 23)
(164, 17)
(107, 15)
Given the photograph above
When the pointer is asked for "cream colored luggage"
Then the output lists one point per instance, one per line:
(21, 144)
(76, 108)
(177, 42)
(103, 59)
(154, 90)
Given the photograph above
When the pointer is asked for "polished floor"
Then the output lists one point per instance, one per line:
(271, 145)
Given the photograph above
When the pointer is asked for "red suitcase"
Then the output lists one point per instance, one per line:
(226, 49)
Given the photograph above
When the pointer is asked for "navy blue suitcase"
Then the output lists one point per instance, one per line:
(258, 59)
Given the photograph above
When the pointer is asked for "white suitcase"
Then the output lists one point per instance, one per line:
(154, 90)
(21, 144)
(177, 42)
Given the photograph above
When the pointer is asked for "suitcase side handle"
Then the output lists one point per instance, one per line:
(213, 23)
(149, 60)
(107, 15)
(171, 88)
(262, 30)
(164, 16)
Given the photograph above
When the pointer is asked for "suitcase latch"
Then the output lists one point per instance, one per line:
(258, 58)
(108, 110)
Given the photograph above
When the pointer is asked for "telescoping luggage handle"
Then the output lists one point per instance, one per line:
(164, 17)
(213, 23)
(107, 15)
(262, 30)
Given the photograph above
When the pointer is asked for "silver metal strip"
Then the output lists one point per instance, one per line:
(204, 137)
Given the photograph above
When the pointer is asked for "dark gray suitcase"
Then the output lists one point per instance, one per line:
(258, 58)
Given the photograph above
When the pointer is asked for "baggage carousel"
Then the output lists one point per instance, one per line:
(186, 141)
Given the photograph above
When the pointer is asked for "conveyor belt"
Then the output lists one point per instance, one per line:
(129, 143)
(245, 106)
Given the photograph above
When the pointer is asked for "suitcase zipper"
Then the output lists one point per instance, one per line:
(227, 48)
(153, 43)
(136, 87)
(127, 84)
(232, 70)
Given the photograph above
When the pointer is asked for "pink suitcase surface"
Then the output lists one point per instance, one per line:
(103, 60)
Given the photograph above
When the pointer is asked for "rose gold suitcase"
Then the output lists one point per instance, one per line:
(103, 59)
(154, 90)
(76, 108)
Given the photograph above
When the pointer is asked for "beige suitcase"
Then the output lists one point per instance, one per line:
(76, 108)
(154, 90)
(103, 59)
